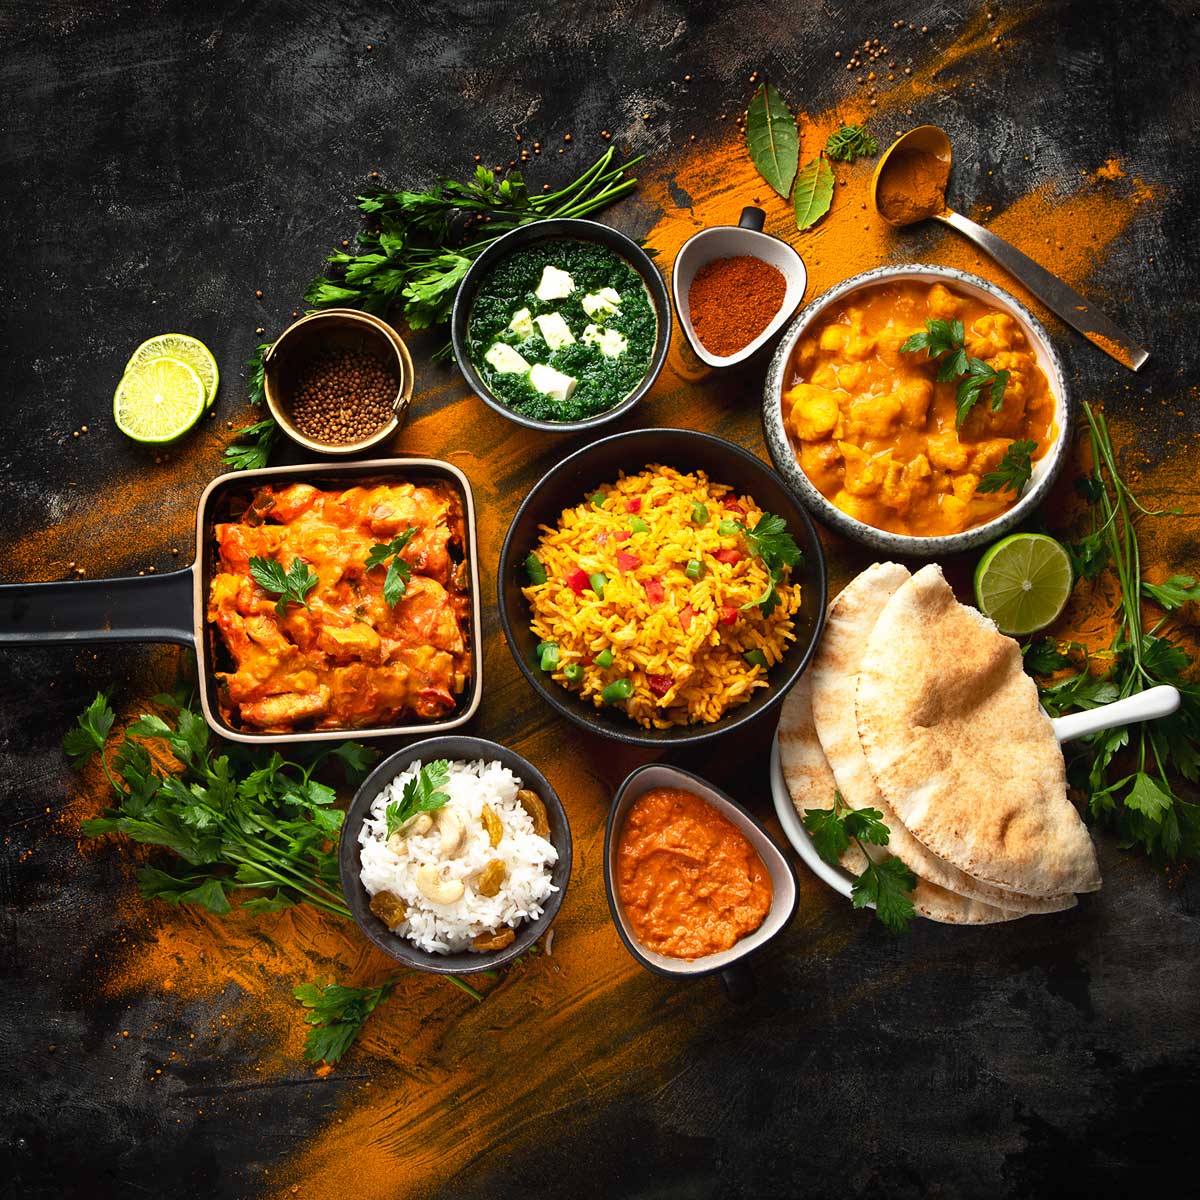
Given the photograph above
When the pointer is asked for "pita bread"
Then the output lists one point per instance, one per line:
(806, 772)
(960, 750)
(811, 784)
(851, 617)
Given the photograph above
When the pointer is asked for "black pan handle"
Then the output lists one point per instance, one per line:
(149, 608)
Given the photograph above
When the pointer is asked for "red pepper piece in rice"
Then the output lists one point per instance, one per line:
(634, 505)
(660, 685)
(577, 581)
(654, 591)
(627, 562)
(685, 617)
(729, 614)
(730, 557)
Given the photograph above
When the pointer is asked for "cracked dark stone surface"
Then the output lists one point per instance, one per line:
(159, 166)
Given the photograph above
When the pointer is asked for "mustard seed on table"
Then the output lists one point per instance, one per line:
(343, 396)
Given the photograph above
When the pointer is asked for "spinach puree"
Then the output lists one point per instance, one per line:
(602, 381)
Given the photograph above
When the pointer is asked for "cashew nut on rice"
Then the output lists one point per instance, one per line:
(436, 887)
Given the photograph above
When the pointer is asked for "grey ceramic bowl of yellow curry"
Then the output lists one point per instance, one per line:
(928, 446)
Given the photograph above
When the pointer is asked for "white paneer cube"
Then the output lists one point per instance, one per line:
(522, 323)
(611, 342)
(505, 360)
(554, 330)
(554, 284)
(551, 383)
(601, 304)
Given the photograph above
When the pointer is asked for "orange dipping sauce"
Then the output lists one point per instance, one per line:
(690, 882)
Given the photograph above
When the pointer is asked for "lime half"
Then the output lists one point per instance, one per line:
(185, 348)
(1023, 583)
(158, 401)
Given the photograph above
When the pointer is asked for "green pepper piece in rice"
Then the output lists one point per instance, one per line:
(535, 570)
(618, 690)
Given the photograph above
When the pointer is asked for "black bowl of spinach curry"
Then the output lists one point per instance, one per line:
(562, 325)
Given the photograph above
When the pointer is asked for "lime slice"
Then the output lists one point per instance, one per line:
(158, 401)
(1023, 583)
(185, 348)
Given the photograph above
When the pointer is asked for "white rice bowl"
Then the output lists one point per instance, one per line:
(449, 928)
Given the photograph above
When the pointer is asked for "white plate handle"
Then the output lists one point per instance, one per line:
(1155, 702)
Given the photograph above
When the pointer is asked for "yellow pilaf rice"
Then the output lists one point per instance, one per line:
(703, 662)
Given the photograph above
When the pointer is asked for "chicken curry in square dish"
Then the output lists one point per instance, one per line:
(917, 409)
(342, 609)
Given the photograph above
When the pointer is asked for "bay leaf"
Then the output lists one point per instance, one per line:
(772, 139)
(814, 192)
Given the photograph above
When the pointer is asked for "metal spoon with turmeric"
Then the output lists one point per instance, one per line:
(909, 185)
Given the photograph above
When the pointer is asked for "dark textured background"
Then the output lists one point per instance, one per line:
(160, 163)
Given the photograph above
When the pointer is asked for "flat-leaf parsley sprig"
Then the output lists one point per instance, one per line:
(422, 793)
(420, 251)
(291, 586)
(395, 582)
(770, 541)
(887, 884)
(1013, 471)
(948, 338)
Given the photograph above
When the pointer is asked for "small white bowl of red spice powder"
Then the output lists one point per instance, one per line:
(735, 287)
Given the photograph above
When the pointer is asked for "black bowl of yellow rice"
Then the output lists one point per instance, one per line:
(632, 590)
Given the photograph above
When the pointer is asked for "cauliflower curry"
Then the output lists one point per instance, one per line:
(875, 432)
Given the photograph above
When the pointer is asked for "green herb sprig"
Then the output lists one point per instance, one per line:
(421, 793)
(252, 445)
(770, 541)
(395, 582)
(947, 338)
(337, 1015)
(851, 143)
(887, 884)
(423, 248)
(1131, 775)
(291, 586)
(1013, 471)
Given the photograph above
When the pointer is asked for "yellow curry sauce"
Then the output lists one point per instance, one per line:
(875, 432)
(689, 880)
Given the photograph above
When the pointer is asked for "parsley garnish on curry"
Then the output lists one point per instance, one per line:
(916, 409)
(379, 633)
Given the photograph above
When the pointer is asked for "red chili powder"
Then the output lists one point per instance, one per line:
(732, 300)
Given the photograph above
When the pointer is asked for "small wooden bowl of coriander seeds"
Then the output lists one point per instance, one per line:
(338, 381)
